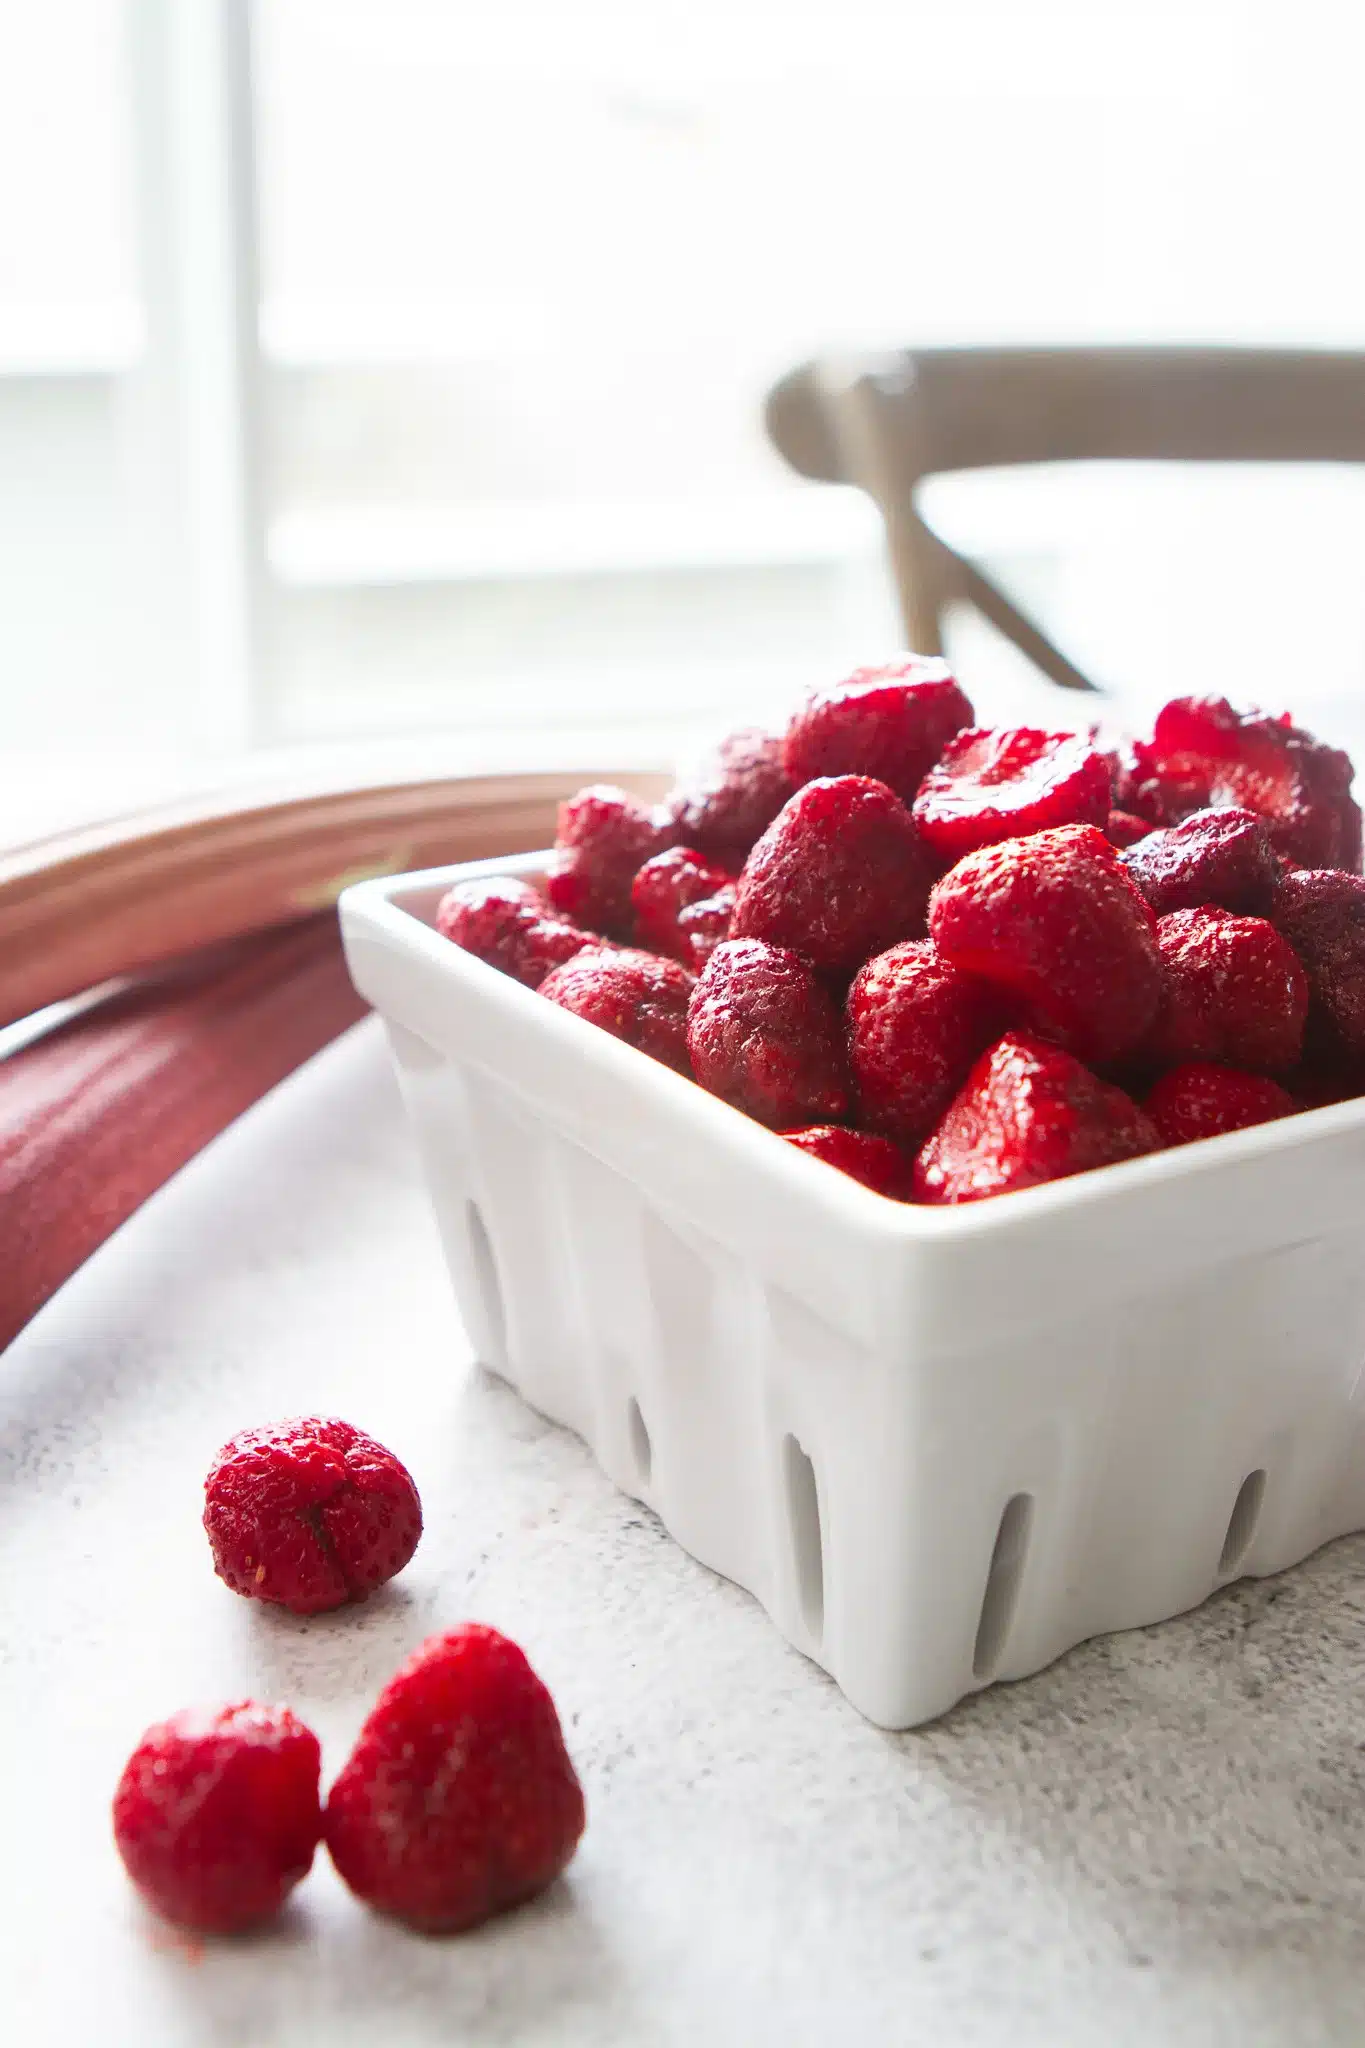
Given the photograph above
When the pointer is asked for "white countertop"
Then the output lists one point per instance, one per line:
(1160, 1840)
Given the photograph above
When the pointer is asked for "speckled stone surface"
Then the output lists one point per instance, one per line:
(1160, 1840)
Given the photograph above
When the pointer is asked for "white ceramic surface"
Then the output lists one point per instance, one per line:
(1157, 1843)
(941, 1447)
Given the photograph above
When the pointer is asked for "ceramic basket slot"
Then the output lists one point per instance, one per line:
(1003, 1581)
(1246, 1513)
(641, 1446)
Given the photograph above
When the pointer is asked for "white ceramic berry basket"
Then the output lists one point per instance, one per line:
(939, 1446)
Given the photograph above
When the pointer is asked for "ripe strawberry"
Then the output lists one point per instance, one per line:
(702, 926)
(915, 1025)
(1140, 790)
(888, 723)
(216, 1814)
(1201, 1100)
(1322, 914)
(510, 925)
(459, 1799)
(1028, 1113)
(1233, 992)
(1221, 858)
(309, 1514)
(766, 1036)
(838, 875)
(1203, 752)
(605, 836)
(638, 997)
(1004, 782)
(1317, 1083)
(735, 796)
(668, 885)
(1122, 829)
(1055, 921)
(874, 1161)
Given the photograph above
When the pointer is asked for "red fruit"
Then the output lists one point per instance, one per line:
(309, 1514)
(767, 1037)
(735, 797)
(1203, 752)
(667, 885)
(915, 1024)
(1028, 1113)
(1219, 857)
(1054, 919)
(216, 1814)
(1138, 788)
(510, 925)
(604, 839)
(638, 997)
(1199, 1100)
(890, 723)
(1234, 991)
(1005, 782)
(1322, 914)
(1123, 829)
(876, 1162)
(837, 876)
(702, 926)
(1315, 1087)
(459, 1799)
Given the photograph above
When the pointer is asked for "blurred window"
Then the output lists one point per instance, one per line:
(419, 382)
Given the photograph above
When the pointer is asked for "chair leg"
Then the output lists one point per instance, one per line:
(861, 416)
(919, 585)
(863, 409)
(1016, 625)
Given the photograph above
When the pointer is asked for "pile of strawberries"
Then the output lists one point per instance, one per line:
(955, 961)
(459, 1799)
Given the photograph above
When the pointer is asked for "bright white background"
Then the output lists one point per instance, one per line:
(524, 273)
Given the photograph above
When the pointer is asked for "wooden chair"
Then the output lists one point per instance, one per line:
(887, 423)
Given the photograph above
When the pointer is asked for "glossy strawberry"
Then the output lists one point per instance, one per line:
(666, 886)
(1233, 991)
(1322, 914)
(915, 1026)
(1122, 829)
(1200, 1100)
(309, 1514)
(889, 723)
(702, 926)
(216, 1815)
(1004, 782)
(874, 1161)
(605, 837)
(459, 1799)
(837, 876)
(1054, 921)
(1317, 1084)
(510, 925)
(1134, 787)
(1221, 858)
(639, 997)
(1203, 753)
(766, 1036)
(734, 797)
(1028, 1113)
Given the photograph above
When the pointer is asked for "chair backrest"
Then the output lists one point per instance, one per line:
(886, 423)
